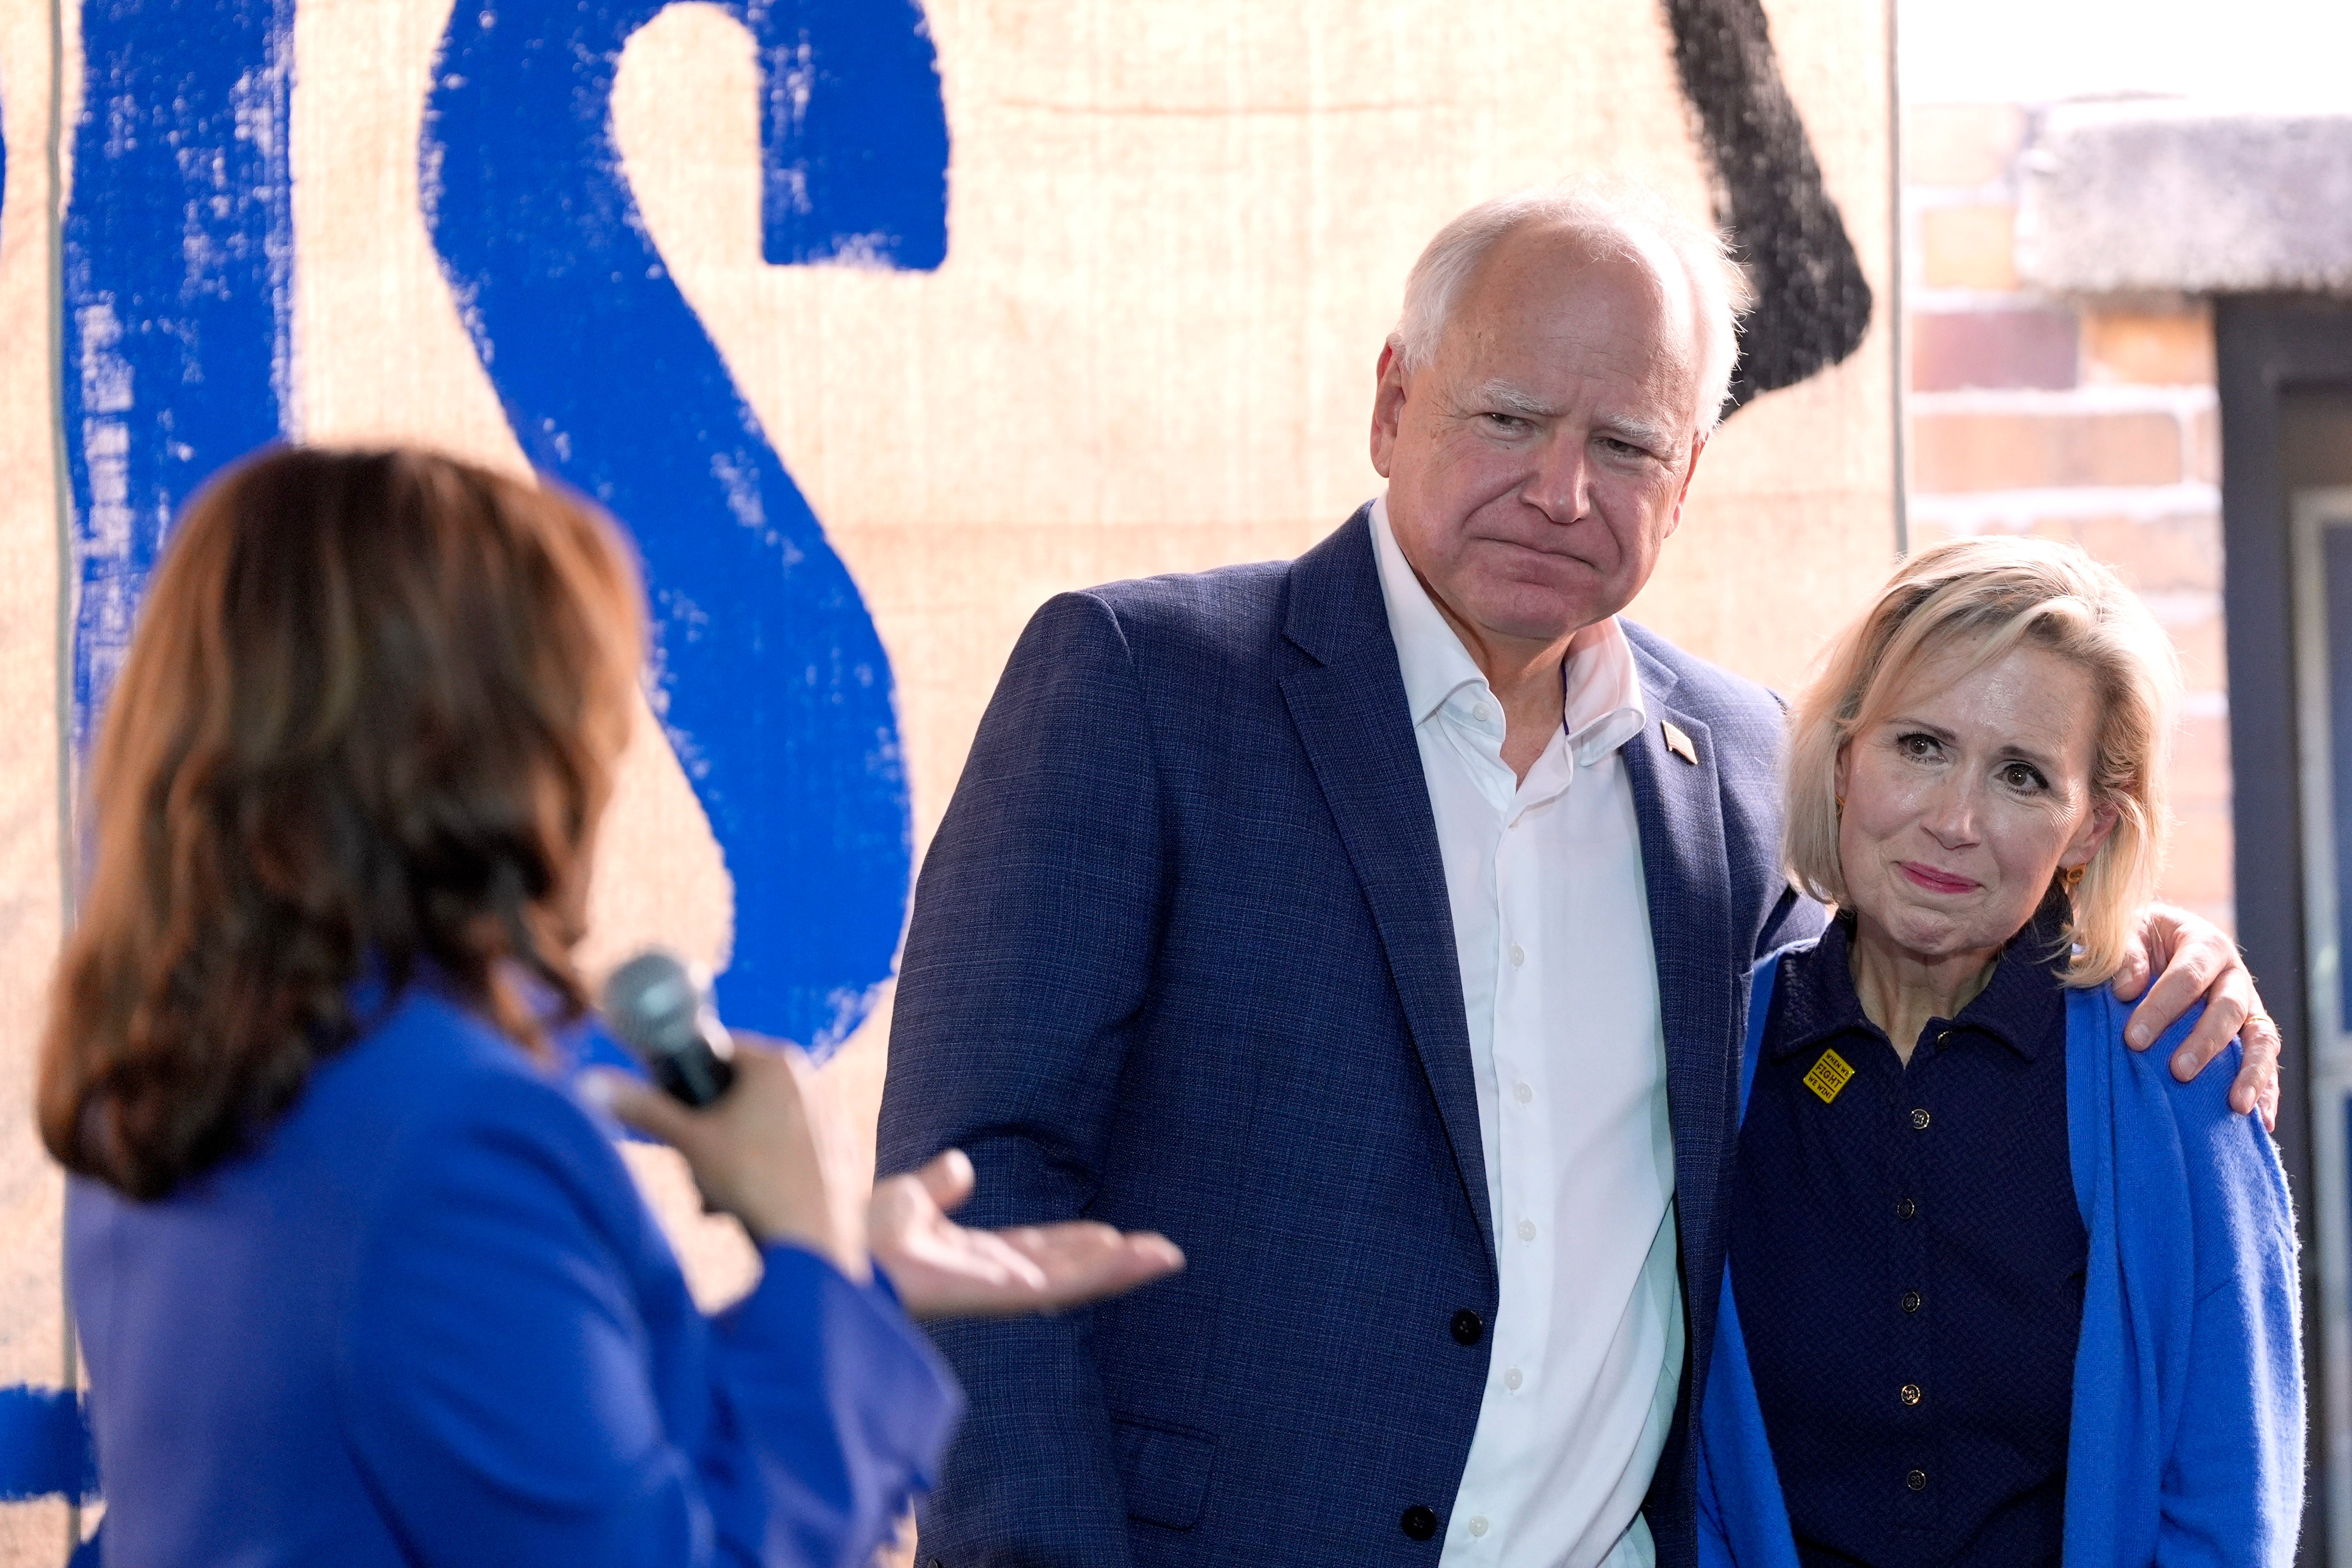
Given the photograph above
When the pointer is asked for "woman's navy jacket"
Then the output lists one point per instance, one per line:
(2186, 1443)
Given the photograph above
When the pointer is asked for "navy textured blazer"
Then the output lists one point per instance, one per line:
(1181, 958)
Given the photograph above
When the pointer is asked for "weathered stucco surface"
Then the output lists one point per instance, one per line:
(1178, 234)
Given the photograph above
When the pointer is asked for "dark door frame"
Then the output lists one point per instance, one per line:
(2266, 346)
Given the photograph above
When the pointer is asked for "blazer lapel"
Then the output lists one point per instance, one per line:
(1347, 699)
(1679, 799)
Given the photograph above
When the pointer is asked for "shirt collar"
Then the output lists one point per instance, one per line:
(2022, 1005)
(1604, 705)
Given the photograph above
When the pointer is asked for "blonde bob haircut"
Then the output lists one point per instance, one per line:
(1979, 598)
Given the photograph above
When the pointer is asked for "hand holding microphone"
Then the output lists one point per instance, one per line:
(663, 1013)
(765, 1143)
(753, 1123)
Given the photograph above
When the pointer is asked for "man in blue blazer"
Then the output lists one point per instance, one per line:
(1377, 925)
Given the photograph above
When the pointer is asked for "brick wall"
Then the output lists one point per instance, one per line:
(2093, 420)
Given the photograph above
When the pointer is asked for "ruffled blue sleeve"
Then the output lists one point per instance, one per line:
(526, 1380)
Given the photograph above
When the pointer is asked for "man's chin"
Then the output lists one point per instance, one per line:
(1546, 616)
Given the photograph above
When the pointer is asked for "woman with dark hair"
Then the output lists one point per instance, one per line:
(358, 1274)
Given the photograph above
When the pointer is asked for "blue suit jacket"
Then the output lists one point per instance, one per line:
(1181, 958)
(428, 1320)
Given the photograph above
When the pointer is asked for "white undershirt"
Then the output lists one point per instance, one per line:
(1560, 983)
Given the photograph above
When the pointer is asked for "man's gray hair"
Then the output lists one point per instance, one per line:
(1614, 218)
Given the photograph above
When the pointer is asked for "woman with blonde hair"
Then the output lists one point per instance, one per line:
(1998, 1293)
(358, 1274)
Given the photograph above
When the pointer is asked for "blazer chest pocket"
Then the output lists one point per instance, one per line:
(1166, 1470)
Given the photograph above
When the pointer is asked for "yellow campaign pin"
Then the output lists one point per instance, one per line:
(1679, 743)
(1829, 1075)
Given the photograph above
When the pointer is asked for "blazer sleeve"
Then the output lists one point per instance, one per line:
(1026, 970)
(2232, 1488)
(526, 1380)
(1795, 917)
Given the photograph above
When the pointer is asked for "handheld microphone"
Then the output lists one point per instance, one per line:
(666, 1018)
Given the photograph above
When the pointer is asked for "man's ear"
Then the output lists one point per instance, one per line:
(1388, 405)
(1698, 444)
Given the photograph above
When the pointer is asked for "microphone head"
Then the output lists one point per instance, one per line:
(661, 1010)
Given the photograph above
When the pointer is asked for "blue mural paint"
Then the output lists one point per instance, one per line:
(178, 299)
(179, 256)
(45, 1447)
(766, 669)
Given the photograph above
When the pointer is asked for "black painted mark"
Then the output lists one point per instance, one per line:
(1812, 303)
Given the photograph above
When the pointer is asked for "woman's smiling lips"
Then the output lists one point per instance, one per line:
(1937, 881)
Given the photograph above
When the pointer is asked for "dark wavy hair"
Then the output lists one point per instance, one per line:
(366, 725)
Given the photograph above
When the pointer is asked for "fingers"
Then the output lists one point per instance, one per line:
(945, 1270)
(2227, 1004)
(637, 1104)
(948, 1180)
(2206, 965)
(2132, 978)
(900, 1219)
(2200, 956)
(757, 1154)
(2257, 1085)
(941, 1269)
(1084, 1262)
(2150, 951)
(1135, 1260)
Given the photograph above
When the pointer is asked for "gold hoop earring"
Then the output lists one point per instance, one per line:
(2074, 877)
(1841, 800)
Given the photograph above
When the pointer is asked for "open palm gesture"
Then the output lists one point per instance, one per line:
(943, 1269)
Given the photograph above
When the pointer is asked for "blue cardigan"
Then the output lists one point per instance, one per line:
(429, 1319)
(2186, 1446)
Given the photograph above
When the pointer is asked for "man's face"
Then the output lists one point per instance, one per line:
(1538, 462)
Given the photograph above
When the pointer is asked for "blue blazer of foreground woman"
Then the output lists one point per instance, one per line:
(2187, 1438)
(429, 1319)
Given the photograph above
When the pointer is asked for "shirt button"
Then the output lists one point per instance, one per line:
(1916, 1481)
(1478, 1525)
(1906, 1209)
(1526, 1230)
(1518, 955)
(1919, 1120)
(1511, 1380)
(1911, 1395)
(1478, 711)
(1910, 1300)
(1523, 1094)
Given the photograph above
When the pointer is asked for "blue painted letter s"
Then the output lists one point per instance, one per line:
(768, 673)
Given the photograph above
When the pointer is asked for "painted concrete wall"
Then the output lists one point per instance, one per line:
(1170, 235)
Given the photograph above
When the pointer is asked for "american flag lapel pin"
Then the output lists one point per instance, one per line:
(1679, 743)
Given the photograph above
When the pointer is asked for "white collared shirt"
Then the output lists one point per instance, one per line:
(1559, 985)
